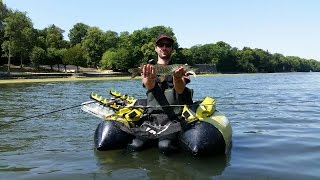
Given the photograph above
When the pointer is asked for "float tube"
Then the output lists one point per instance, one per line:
(205, 131)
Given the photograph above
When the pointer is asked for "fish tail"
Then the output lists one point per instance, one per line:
(191, 73)
(134, 74)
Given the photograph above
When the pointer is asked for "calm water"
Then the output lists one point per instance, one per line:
(275, 120)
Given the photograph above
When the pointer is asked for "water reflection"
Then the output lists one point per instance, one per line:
(152, 164)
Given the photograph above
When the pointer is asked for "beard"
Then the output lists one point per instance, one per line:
(165, 55)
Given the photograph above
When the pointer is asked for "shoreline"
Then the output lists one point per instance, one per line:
(35, 77)
(46, 77)
(61, 79)
(82, 78)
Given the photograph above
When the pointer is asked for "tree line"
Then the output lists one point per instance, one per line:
(22, 44)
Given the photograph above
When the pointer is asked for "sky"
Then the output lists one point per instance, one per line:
(288, 27)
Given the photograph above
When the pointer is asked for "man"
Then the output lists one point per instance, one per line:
(164, 50)
(161, 93)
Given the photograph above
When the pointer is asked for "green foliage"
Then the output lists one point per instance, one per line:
(116, 59)
(148, 51)
(107, 61)
(94, 45)
(18, 34)
(54, 37)
(40, 40)
(3, 14)
(77, 33)
(54, 56)
(183, 56)
(38, 57)
(111, 39)
(245, 61)
(74, 56)
(6, 47)
(203, 54)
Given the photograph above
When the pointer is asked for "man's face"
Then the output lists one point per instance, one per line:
(164, 49)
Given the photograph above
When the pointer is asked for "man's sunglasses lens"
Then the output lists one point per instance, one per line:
(165, 44)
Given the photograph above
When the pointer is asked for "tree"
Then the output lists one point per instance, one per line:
(116, 59)
(262, 60)
(54, 56)
(38, 56)
(108, 59)
(230, 62)
(111, 39)
(8, 47)
(18, 28)
(245, 57)
(77, 33)
(292, 64)
(125, 40)
(54, 37)
(94, 45)
(27, 43)
(276, 62)
(74, 56)
(203, 54)
(183, 56)
(3, 14)
(224, 57)
(148, 52)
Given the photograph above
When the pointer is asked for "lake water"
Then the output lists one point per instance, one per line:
(275, 121)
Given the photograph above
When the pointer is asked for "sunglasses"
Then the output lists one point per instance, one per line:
(169, 45)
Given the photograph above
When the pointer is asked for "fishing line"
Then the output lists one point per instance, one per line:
(51, 112)
(164, 106)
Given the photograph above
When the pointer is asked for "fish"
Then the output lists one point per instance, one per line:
(163, 70)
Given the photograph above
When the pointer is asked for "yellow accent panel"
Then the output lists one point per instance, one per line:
(188, 115)
(134, 115)
(206, 108)
(120, 119)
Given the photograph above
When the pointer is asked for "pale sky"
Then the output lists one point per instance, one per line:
(289, 27)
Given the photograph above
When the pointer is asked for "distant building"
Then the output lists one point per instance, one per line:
(205, 68)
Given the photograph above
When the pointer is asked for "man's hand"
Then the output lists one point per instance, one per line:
(148, 76)
(178, 80)
(179, 73)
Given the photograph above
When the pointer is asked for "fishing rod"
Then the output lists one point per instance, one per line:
(142, 107)
(51, 112)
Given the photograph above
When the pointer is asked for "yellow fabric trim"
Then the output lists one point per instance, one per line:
(206, 108)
